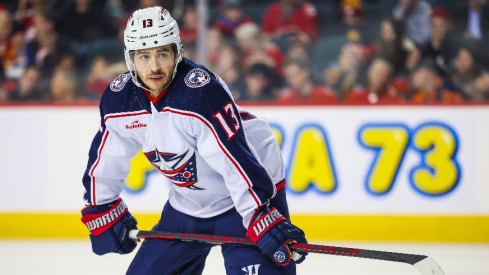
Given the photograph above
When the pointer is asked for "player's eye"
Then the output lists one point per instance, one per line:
(144, 56)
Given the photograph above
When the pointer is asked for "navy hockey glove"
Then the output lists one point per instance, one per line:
(273, 233)
(109, 225)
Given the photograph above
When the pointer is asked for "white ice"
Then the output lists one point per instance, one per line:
(55, 257)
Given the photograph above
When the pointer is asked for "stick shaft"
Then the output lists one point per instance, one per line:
(424, 264)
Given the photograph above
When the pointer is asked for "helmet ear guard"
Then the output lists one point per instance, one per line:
(149, 28)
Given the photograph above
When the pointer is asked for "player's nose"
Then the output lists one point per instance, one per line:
(155, 64)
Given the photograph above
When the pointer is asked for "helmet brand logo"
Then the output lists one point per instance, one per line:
(147, 36)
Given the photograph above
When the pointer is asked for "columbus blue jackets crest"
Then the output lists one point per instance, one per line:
(197, 78)
(180, 169)
(118, 84)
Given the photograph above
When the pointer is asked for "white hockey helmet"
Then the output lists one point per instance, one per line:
(149, 28)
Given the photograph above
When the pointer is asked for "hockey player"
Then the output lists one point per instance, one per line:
(225, 165)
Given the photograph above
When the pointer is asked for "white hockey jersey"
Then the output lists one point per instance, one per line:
(217, 155)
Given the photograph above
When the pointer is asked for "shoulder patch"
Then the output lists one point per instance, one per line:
(118, 84)
(197, 78)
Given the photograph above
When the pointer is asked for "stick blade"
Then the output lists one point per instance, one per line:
(428, 266)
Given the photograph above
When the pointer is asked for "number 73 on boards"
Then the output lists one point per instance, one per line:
(436, 174)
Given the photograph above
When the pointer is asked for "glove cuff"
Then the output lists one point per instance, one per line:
(263, 222)
(98, 223)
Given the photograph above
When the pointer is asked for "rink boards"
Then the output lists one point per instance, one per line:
(415, 173)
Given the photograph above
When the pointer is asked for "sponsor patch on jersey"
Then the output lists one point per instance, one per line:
(197, 78)
(119, 83)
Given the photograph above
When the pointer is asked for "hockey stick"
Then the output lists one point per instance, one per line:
(424, 264)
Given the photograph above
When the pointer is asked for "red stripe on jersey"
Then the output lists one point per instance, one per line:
(94, 201)
(107, 117)
(154, 99)
(222, 148)
(280, 185)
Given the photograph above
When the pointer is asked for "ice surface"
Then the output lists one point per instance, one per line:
(75, 257)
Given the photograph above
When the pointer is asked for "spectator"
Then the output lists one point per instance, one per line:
(25, 16)
(102, 72)
(189, 28)
(350, 38)
(341, 77)
(27, 9)
(430, 87)
(228, 56)
(15, 63)
(63, 87)
(43, 29)
(231, 18)
(8, 41)
(298, 51)
(287, 16)
(469, 76)
(392, 45)
(413, 58)
(354, 27)
(47, 49)
(233, 76)
(256, 49)
(28, 87)
(86, 22)
(477, 19)
(214, 43)
(230, 68)
(260, 84)
(4, 94)
(378, 89)
(67, 62)
(43, 23)
(301, 88)
(415, 16)
(441, 47)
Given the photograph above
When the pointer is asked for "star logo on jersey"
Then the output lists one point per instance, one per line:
(180, 169)
(197, 78)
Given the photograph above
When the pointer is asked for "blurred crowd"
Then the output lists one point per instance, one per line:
(280, 51)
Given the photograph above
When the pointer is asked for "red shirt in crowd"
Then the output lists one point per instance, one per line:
(444, 96)
(360, 95)
(304, 19)
(188, 35)
(319, 95)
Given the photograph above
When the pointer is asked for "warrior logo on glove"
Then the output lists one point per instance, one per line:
(97, 224)
(266, 221)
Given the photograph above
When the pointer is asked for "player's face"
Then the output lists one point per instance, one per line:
(155, 66)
